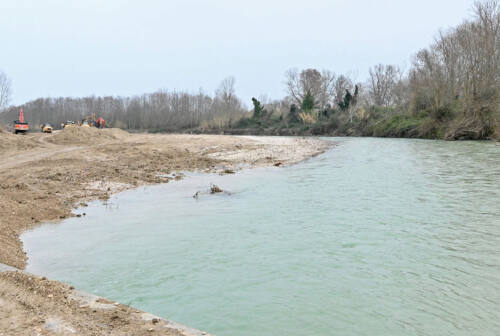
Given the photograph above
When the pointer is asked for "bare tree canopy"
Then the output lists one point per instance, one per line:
(5, 90)
(158, 111)
(382, 83)
(226, 90)
(226, 102)
(310, 81)
(460, 73)
(341, 85)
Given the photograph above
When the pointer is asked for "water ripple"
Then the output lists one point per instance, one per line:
(375, 237)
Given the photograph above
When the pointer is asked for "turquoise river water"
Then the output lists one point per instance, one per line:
(373, 237)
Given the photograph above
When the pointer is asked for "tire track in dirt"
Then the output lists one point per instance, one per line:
(15, 160)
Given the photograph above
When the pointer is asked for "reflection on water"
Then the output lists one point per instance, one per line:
(375, 237)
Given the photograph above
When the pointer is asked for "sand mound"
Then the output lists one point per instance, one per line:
(5, 141)
(11, 142)
(118, 133)
(77, 134)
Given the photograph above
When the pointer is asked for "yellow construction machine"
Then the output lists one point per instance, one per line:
(46, 128)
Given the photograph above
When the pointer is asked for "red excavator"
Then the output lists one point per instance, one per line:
(21, 126)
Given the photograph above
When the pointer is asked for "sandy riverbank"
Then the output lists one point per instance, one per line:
(43, 177)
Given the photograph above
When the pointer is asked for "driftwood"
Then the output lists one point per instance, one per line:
(214, 189)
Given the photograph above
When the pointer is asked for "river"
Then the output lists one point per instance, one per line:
(373, 237)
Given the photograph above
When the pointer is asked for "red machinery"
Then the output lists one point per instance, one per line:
(100, 123)
(21, 126)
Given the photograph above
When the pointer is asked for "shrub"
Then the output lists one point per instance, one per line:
(308, 103)
(293, 116)
(308, 118)
(258, 109)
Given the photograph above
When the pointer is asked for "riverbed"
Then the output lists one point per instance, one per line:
(373, 237)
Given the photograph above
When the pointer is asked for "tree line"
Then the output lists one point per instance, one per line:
(161, 111)
(451, 90)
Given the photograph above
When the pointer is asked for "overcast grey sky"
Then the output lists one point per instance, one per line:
(126, 47)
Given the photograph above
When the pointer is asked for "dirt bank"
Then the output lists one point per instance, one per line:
(44, 176)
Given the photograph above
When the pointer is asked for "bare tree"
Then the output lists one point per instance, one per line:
(160, 111)
(341, 85)
(227, 104)
(382, 84)
(310, 81)
(5, 90)
(226, 90)
(294, 85)
(460, 73)
(327, 89)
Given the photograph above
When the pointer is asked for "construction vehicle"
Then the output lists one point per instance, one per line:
(92, 121)
(21, 126)
(89, 120)
(100, 123)
(46, 128)
(68, 123)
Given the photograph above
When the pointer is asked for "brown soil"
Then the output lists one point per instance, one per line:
(43, 177)
(31, 305)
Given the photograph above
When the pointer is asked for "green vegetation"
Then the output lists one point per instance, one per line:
(376, 121)
(308, 103)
